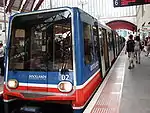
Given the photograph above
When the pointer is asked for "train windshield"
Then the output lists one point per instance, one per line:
(41, 42)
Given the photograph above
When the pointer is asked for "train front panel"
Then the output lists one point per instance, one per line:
(40, 56)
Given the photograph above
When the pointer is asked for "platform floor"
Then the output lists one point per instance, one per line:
(136, 88)
(124, 90)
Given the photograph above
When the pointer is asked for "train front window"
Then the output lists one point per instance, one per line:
(41, 42)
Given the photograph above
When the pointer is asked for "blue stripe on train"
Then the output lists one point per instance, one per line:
(40, 77)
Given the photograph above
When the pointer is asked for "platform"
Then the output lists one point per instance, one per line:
(124, 90)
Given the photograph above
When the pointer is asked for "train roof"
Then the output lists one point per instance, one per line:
(65, 7)
(104, 26)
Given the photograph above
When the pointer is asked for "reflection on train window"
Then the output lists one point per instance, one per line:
(88, 48)
(17, 49)
(62, 47)
(37, 48)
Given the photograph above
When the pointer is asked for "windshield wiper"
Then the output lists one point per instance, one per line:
(63, 69)
(44, 27)
(66, 55)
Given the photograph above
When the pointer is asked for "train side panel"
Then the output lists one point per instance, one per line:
(89, 76)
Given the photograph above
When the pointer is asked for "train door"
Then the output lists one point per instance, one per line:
(110, 48)
(119, 45)
(102, 52)
(113, 44)
(105, 49)
(38, 64)
(117, 40)
(97, 45)
(116, 45)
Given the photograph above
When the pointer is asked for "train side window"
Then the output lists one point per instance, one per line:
(101, 41)
(95, 36)
(88, 47)
(109, 40)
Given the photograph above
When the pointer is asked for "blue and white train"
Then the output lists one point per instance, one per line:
(59, 55)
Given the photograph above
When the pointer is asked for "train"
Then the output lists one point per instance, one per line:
(58, 55)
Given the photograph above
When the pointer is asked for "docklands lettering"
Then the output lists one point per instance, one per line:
(37, 77)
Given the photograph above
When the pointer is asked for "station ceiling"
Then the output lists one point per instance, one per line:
(30, 5)
(21, 6)
(122, 24)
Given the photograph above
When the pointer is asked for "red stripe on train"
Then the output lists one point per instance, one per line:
(78, 99)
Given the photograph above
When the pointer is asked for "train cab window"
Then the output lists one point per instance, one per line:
(17, 49)
(41, 42)
(88, 47)
(62, 46)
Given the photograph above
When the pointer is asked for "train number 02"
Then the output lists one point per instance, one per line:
(65, 77)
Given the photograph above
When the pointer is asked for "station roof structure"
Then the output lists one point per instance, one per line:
(122, 24)
(20, 5)
(31, 5)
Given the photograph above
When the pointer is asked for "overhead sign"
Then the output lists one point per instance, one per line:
(146, 28)
(122, 3)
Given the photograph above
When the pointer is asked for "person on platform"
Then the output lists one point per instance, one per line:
(148, 46)
(137, 48)
(130, 49)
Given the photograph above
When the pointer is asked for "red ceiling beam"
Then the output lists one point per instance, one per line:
(14, 4)
(1, 3)
(38, 4)
(11, 2)
(28, 6)
(120, 24)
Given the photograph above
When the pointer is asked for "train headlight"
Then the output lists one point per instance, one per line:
(12, 83)
(65, 86)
